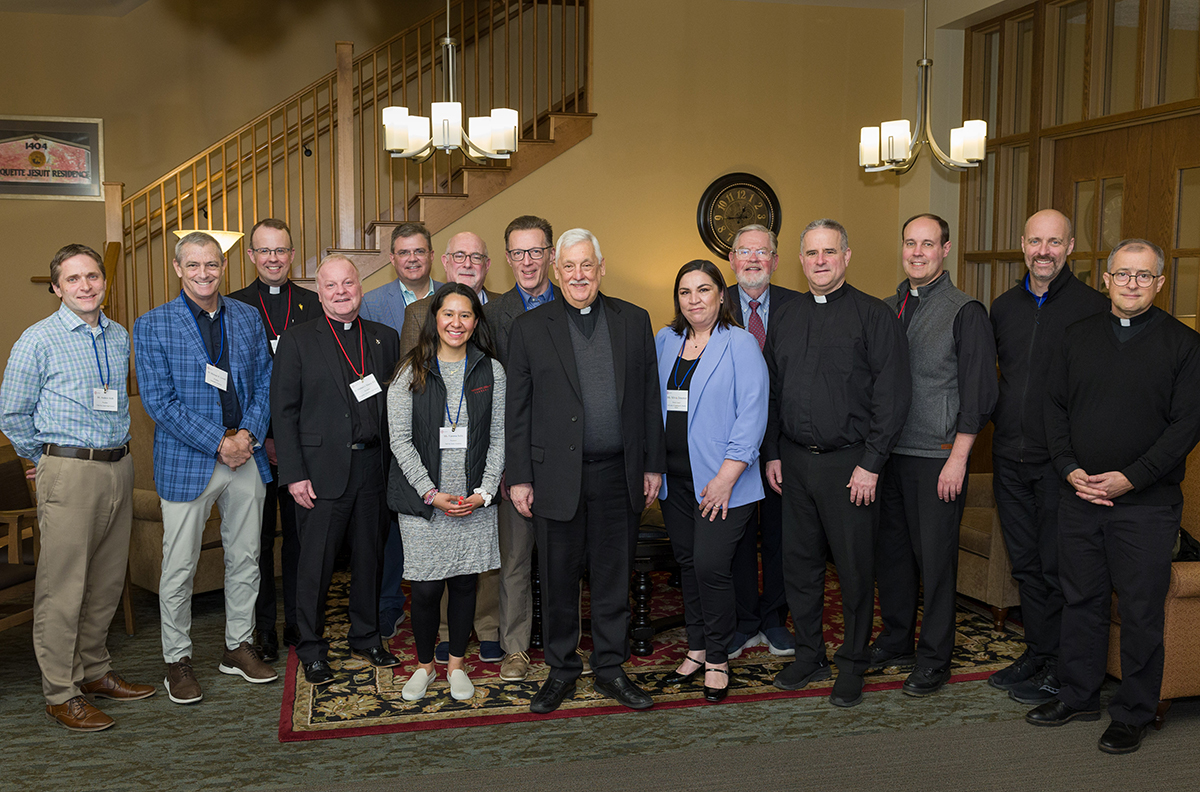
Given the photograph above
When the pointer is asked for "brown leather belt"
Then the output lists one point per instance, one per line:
(91, 454)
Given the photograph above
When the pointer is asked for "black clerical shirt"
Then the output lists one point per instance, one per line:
(364, 415)
(839, 375)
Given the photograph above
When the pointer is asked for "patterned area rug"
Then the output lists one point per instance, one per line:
(365, 700)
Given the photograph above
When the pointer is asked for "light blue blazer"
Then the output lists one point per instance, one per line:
(727, 407)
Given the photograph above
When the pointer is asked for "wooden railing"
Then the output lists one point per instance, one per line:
(321, 167)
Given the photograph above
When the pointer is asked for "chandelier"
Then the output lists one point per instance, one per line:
(418, 137)
(889, 146)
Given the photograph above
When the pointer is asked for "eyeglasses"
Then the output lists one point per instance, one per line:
(745, 253)
(534, 253)
(460, 257)
(413, 252)
(269, 251)
(1143, 279)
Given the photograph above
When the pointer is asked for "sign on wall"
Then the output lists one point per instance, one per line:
(51, 158)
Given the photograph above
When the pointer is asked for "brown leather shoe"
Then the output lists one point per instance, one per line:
(181, 683)
(111, 686)
(78, 715)
(246, 663)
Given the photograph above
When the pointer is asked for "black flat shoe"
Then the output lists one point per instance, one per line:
(318, 672)
(1055, 713)
(676, 678)
(376, 656)
(624, 692)
(269, 649)
(716, 695)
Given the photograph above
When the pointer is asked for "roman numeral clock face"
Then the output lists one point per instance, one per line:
(731, 202)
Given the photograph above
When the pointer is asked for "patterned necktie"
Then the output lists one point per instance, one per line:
(755, 325)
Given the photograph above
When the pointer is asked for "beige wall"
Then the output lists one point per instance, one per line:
(169, 78)
(688, 90)
(685, 91)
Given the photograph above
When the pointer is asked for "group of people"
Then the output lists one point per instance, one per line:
(439, 430)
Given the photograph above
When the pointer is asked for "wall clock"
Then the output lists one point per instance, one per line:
(732, 201)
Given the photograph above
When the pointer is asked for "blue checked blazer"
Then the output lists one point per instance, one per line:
(170, 359)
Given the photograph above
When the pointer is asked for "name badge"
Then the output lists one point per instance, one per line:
(365, 388)
(218, 378)
(677, 400)
(274, 345)
(453, 438)
(104, 399)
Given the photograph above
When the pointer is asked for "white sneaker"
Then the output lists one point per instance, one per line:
(416, 685)
(736, 650)
(461, 688)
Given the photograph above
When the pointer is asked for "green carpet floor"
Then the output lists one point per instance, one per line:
(969, 736)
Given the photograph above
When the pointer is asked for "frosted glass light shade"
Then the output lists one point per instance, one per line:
(894, 139)
(974, 140)
(956, 144)
(395, 128)
(504, 130)
(479, 129)
(868, 147)
(447, 125)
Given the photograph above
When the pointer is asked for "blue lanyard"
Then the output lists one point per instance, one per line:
(105, 378)
(203, 341)
(688, 373)
(462, 394)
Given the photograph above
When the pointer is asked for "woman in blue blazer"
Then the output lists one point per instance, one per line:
(714, 403)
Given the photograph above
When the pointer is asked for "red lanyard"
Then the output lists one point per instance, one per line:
(289, 313)
(361, 348)
(900, 313)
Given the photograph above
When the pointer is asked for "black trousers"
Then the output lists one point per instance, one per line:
(705, 552)
(361, 516)
(427, 613)
(1125, 547)
(818, 519)
(601, 537)
(918, 545)
(757, 612)
(265, 607)
(1027, 502)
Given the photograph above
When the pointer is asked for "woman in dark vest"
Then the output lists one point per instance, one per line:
(714, 404)
(446, 416)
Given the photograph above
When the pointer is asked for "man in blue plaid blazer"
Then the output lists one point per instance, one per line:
(204, 372)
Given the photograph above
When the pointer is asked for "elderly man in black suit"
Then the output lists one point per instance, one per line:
(585, 455)
(754, 257)
(328, 408)
(529, 250)
(280, 304)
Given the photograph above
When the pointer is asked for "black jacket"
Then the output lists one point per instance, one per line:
(1027, 340)
(429, 408)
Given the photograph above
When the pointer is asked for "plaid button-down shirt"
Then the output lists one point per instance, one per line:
(46, 396)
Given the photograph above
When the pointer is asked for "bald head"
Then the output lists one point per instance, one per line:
(339, 288)
(1046, 243)
(466, 260)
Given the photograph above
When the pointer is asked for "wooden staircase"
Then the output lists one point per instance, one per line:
(317, 162)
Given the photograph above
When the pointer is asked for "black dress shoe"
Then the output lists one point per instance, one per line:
(716, 695)
(318, 672)
(880, 659)
(796, 675)
(291, 635)
(676, 678)
(1121, 738)
(376, 656)
(1055, 713)
(268, 646)
(551, 694)
(1023, 668)
(625, 692)
(925, 681)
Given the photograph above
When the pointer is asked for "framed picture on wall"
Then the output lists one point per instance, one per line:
(51, 158)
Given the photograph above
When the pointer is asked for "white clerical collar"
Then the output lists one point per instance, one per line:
(913, 292)
(1124, 321)
(347, 325)
(820, 298)
(585, 311)
(273, 289)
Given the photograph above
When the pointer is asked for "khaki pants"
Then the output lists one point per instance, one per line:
(85, 512)
(239, 495)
